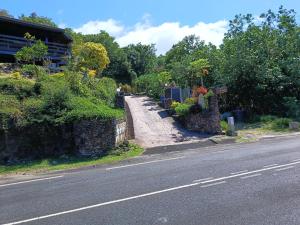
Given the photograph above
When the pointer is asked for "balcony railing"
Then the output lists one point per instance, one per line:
(11, 45)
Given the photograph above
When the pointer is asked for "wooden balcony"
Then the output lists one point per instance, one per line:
(10, 45)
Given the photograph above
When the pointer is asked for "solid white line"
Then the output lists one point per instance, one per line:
(295, 160)
(270, 165)
(137, 164)
(242, 171)
(203, 179)
(250, 172)
(213, 184)
(253, 175)
(285, 168)
(103, 204)
(29, 181)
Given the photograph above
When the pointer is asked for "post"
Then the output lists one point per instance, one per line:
(231, 131)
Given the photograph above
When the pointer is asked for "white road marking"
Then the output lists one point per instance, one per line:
(29, 181)
(137, 164)
(253, 175)
(250, 172)
(286, 168)
(295, 160)
(213, 184)
(102, 204)
(203, 179)
(270, 165)
(153, 193)
(242, 171)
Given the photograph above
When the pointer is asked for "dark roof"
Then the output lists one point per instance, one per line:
(34, 25)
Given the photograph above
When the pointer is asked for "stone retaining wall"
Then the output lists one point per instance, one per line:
(207, 121)
(86, 137)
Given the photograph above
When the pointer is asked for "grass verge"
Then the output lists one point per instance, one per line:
(72, 162)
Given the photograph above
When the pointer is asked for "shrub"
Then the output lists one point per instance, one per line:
(280, 123)
(105, 89)
(190, 101)
(182, 109)
(174, 105)
(85, 108)
(126, 88)
(267, 118)
(33, 71)
(20, 87)
(293, 107)
(224, 126)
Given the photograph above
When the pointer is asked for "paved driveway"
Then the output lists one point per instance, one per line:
(153, 127)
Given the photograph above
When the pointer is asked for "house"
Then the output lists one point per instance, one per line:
(12, 39)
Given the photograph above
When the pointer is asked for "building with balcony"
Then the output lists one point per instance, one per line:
(12, 39)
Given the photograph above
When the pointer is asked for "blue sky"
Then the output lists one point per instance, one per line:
(162, 22)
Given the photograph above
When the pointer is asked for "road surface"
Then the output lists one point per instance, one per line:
(154, 127)
(256, 183)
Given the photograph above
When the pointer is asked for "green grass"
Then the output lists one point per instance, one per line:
(67, 163)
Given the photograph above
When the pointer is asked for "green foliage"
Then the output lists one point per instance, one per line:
(35, 52)
(141, 57)
(293, 107)
(56, 99)
(267, 118)
(182, 109)
(92, 56)
(21, 88)
(34, 18)
(87, 108)
(126, 88)
(190, 101)
(224, 126)
(35, 71)
(105, 88)
(281, 123)
(153, 84)
(174, 105)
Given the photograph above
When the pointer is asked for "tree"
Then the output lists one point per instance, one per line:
(141, 57)
(119, 68)
(34, 18)
(5, 13)
(92, 56)
(35, 51)
(199, 69)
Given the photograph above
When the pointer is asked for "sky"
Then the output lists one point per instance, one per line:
(162, 22)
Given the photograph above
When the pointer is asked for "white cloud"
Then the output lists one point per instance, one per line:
(163, 35)
(62, 25)
(111, 26)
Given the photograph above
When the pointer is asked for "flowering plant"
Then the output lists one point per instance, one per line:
(202, 90)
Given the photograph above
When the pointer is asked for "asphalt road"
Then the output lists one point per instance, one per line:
(257, 183)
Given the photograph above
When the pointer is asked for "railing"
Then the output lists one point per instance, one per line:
(11, 44)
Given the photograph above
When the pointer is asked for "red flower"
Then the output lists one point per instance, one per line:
(202, 90)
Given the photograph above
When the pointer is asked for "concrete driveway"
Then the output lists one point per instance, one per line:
(154, 127)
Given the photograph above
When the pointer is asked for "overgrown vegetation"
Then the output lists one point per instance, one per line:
(57, 98)
(72, 162)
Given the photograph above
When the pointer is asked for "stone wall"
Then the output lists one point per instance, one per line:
(86, 137)
(207, 121)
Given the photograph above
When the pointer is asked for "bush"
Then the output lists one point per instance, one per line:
(268, 118)
(293, 107)
(105, 89)
(19, 87)
(182, 109)
(190, 101)
(280, 123)
(174, 105)
(224, 126)
(33, 71)
(126, 88)
(86, 108)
